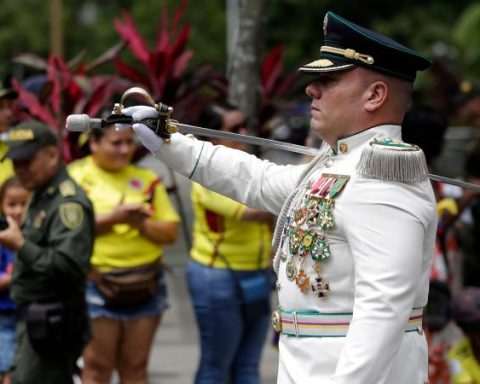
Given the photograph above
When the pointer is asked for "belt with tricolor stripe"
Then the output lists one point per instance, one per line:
(318, 324)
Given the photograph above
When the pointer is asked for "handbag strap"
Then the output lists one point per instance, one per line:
(216, 253)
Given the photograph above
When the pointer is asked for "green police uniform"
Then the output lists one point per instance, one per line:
(48, 283)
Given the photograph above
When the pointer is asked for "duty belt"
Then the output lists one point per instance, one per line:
(318, 324)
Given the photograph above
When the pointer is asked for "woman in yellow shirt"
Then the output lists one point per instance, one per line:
(126, 293)
(231, 249)
(7, 118)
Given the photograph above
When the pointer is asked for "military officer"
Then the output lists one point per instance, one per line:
(356, 226)
(53, 249)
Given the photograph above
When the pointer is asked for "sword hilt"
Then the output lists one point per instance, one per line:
(162, 125)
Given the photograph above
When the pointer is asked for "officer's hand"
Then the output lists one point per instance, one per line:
(146, 136)
(12, 237)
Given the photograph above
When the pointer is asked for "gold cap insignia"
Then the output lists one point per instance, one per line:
(71, 215)
(322, 63)
(20, 135)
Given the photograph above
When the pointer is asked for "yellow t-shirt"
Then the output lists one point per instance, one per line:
(464, 367)
(124, 246)
(6, 166)
(218, 233)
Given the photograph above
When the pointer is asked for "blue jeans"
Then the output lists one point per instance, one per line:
(8, 322)
(230, 349)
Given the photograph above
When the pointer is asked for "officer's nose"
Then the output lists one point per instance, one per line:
(313, 90)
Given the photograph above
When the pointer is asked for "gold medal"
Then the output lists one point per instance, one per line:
(302, 281)
(307, 240)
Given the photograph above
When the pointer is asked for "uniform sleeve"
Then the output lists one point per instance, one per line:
(162, 206)
(386, 227)
(68, 246)
(219, 204)
(257, 183)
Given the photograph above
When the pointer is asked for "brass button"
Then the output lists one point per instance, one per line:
(277, 321)
(343, 147)
(420, 330)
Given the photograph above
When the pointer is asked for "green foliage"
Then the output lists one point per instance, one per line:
(22, 31)
(466, 35)
(88, 24)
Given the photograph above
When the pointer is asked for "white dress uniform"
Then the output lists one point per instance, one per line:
(351, 287)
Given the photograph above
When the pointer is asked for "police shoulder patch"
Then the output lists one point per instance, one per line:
(67, 188)
(71, 215)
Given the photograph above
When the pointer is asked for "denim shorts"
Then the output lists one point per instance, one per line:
(98, 307)
(7, 340)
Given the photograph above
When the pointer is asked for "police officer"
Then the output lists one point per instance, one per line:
(53, 249)
(356, 227)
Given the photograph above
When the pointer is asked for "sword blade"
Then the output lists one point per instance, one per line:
(260, 141)
(194, 130)
(458, 183)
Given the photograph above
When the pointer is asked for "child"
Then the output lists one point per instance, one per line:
(13, 198)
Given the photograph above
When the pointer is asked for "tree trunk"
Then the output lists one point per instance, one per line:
(244, 62)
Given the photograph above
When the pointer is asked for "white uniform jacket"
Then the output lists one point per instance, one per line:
(378, 270)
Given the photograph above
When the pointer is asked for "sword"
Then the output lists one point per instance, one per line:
(163, 126)
(260, 141)
(73, 125)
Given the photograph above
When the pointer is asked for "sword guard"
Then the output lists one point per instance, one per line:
(162, 125)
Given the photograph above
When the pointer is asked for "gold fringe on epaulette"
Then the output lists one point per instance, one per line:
(389, 164)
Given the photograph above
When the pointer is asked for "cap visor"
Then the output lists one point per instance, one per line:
(23, 153)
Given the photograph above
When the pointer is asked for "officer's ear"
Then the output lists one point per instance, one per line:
(376, 95)
(53, 153)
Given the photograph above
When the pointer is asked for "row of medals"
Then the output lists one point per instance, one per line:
(306, 229)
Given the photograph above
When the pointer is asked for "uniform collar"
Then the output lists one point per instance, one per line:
(52, 186)
(348, 144)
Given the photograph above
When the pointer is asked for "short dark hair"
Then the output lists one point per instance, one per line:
(425, 126)
(212, 116)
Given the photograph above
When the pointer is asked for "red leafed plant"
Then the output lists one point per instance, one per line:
(162, 66)
(66, 88)
(163, 70)
(275, 85)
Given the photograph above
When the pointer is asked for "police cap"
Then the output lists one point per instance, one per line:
(347, 45)
(25, 139)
